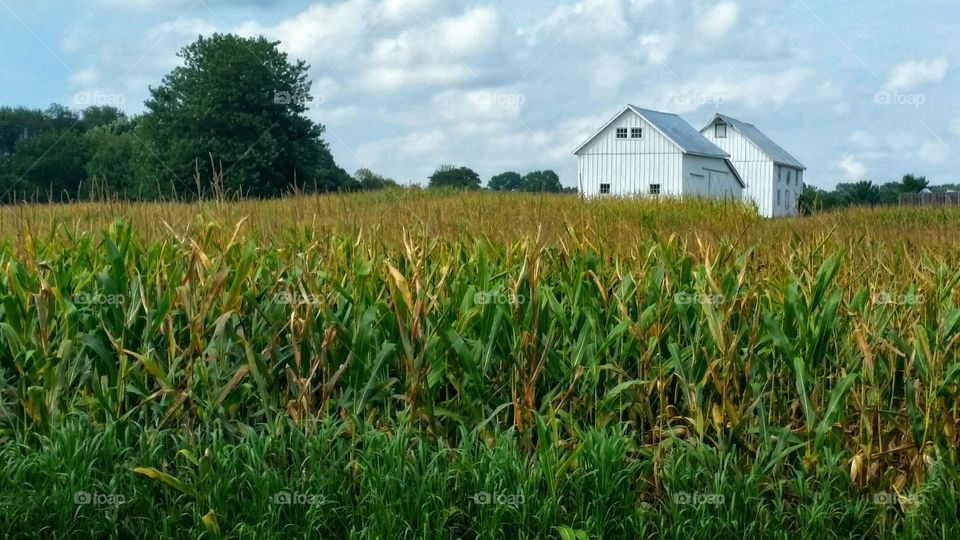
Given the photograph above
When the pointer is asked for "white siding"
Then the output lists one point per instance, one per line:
(756, 169)
(630, 165)
(709, 177)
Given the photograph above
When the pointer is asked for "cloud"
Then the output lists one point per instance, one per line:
(484, 105)
(404, 10)
(915, 73)
(717, 22)
(934, 152)
(657, 47)
(587, 22)
(853, 169)
(321, 31)
(757, 91)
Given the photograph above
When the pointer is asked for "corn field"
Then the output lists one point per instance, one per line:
(477, 366)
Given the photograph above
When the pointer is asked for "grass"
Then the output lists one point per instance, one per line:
(611, 369)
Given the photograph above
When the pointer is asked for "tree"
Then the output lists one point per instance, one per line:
(542, 181)
(369, 180)
(17, 124)
(50, 167)
(455, 177)
(913, 184)
(860, 193)
(111, 163)
(97, 116)
(508, 181)
(235, 107)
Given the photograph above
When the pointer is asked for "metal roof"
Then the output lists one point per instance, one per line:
(681, 133)
(764, 143)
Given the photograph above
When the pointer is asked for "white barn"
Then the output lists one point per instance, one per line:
(774, 178)
(648, 153)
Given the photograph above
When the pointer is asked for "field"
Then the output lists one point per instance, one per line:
(415, 365)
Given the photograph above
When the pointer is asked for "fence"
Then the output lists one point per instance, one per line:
(930, 199)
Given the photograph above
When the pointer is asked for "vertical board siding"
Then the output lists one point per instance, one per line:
(725, 185)
(759, 173)
(628, 165)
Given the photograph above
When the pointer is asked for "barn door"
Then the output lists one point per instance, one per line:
(715, 183)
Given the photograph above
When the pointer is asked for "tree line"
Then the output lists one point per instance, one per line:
(449, 176)
(867, 193)
(230, 119)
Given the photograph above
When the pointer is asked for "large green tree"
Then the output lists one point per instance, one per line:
(913, 184)
(508, 181)
(542, 181)
(449, 176)
(50, 167)
(236, 107)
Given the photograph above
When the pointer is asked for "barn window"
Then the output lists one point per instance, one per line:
(604, 189)
(721, 130)
(655, 189)
(789, 177)
(778, 197)
(621, 133)
(636, 133)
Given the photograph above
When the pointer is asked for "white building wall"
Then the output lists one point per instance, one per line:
(754, 166)
(709, 177)
(788, 181)
(630, 166)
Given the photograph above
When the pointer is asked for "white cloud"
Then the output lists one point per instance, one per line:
(588, 21)
(610, 71)
(718, 21)
(934, 152)
(495, 105)
(853, 169)
(321, 31)
(404, 10)
(915, 73)
(657, 47)
(757, 91)
(438, 54)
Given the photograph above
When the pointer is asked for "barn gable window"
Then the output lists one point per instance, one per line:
(621, 133)
(604, 189)
(636, 133)
(720, 130)
(655, 189)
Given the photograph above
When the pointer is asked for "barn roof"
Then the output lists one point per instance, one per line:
(764, 143)
(682, 134)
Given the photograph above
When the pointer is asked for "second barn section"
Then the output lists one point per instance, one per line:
(774, 178)
(649, 153)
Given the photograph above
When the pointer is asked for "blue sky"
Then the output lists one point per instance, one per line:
(854, 89)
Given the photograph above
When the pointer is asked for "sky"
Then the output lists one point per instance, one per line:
(854, 89)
